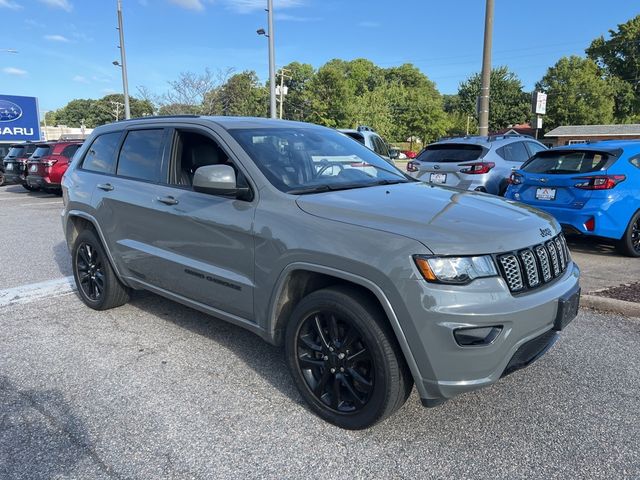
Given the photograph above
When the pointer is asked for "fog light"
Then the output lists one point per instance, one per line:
(477, 336)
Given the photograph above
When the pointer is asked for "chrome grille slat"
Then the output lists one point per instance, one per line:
(512, 272)
(553, 254)
(533, 267)
(530, 268)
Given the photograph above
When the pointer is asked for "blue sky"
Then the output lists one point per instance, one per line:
(66, 46)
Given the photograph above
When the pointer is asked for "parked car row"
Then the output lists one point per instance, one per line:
(591, 189)
(38, 166)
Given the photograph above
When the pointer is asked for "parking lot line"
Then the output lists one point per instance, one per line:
(36, 291)
(59, 202)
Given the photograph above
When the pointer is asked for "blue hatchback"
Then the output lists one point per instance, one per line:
(591, 189)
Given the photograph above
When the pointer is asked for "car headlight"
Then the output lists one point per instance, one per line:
(455, 270)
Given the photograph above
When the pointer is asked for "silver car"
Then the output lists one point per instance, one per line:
(252, 221)
(483, 164)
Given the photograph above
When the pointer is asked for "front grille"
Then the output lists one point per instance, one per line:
(533, 267)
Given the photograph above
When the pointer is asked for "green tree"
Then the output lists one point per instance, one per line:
(92, 113)
(619, 57)
(508, 105)
(297, 102)
(332, 96)
(577, 93)
(240, 95)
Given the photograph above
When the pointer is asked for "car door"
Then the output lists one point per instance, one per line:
(202, 244)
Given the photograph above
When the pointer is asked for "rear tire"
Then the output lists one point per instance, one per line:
(344, 358)
(629, 244)
(30, 188)
(1, 179)
(98, 285)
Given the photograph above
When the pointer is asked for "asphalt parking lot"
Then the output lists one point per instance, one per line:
(156, 390)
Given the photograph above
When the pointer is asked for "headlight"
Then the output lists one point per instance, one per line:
(455, 270)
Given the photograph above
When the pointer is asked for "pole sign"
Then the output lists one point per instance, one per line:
(539, 103)
(19, 119)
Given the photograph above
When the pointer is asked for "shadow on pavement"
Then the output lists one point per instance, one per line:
(591, 246)
(262, 357)
(62, 258)
(40, 436)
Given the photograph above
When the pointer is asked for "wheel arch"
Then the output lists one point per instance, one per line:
(299, 279)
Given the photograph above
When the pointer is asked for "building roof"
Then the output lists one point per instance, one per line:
(631, 129)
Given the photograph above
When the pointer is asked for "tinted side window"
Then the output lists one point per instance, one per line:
(101, 155)
(141, 155)
(70, 151)
(534, 148)
(635, 161)
(514, 152)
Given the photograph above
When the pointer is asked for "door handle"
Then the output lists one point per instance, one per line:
(167, 200)
(107, 187)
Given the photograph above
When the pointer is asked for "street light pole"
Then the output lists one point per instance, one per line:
(485, 89)
(123, 64)
(272, 62)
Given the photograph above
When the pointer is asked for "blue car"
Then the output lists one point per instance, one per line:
(591, 189)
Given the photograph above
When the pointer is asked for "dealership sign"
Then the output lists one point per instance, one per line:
(19, 119)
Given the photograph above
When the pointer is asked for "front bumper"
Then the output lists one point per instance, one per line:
(448, 369)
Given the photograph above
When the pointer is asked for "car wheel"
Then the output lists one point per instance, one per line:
(344, 358)
(30, 188)
(1, 179)
(629, 244)
(97, 284)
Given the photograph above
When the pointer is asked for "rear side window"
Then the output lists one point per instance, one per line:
(635, 161)
(450, 152)
(514, 152)
(356, 136)
(141, 155)
(535, 148)
(568, 162)
(101, 155)
(70, 151)
(380, 147)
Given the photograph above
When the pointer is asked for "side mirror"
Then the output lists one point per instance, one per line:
(394, 153)
(218, 180)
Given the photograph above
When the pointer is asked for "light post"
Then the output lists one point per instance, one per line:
(485, 89)
(272, 61)
(123, 64)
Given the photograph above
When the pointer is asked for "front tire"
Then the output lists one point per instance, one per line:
(344, 358)
(30, 188)
(98, 286)
(629, 244)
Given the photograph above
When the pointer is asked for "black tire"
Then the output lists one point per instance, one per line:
(1, 179)
(629, 244)
(30, 188)
(98, 286)
(372, 379)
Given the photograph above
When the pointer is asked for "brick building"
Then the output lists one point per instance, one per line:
(576, 134)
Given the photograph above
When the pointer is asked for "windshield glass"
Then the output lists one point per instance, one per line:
(569, 162)
(41, 151)
(310, 160)
(450, 152)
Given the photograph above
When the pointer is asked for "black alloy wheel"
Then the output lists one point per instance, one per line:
(335, 362)
(629, 244)
(90, 268)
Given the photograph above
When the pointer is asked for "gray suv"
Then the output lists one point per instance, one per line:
(483, 164)
(370, 139)
(261, 223)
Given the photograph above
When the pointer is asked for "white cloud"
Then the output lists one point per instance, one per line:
(63, 4)
(369, 24)
(56, 38)
(80, 79)
(285, 17)
(11, 5)
(33, 23)
(14, 71)
(189, 4)
(247, 6)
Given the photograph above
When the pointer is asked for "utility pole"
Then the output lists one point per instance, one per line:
(123, 64)
(116, 106)
(272, 62)
(485, 89)
(282, 92)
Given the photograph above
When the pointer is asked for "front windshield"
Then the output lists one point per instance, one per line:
(309, 160)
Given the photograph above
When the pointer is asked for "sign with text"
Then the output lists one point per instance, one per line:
(539, 102)
(19, 119)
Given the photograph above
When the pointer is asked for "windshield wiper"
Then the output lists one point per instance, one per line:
(346, 186)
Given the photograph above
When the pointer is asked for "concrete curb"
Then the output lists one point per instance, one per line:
(610, 305)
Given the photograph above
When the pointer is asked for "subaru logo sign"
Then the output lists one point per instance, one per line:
(9, 111)
(19, 119)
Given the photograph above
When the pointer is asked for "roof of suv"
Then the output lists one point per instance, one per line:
(227, 123)
(491, 140)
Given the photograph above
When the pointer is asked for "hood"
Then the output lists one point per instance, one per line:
(445, 220)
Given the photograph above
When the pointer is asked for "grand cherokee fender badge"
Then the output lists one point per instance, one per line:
(545, 232)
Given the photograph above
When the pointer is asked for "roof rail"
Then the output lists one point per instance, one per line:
(183, 115)
(492, 138)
